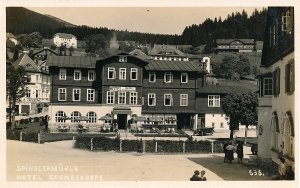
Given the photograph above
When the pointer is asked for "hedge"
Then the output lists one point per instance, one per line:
(163, 146)
(160, 135)
(168, 146)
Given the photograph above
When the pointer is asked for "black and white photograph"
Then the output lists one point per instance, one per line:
(99, 92)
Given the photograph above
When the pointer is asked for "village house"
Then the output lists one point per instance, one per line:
(37, 90)
(65, 39)
(276, 110)
(164, 93)
(167, 53)
(236, 45)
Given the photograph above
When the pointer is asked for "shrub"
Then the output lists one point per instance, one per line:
(132, 145)
(169, 146)
(30, 137)
(150, 146)
(13, 134)
(106, 144)
(198, 146)
(83, 142)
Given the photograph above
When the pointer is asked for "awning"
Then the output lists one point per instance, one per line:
(121, 110)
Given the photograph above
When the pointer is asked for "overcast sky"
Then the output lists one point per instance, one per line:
(171, 20)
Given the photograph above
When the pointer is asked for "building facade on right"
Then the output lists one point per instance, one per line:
(276, 110)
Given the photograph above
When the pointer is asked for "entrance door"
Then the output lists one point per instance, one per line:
(183, 121)
(122, 121)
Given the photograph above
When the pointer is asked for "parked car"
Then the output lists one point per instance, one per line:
(204, 131)
(254, 149)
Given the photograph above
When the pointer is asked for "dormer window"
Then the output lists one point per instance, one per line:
(287, 24)
(122, 58)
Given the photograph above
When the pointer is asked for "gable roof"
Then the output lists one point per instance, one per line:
(162, 49)
(65, 35)
(140, 54)
(25, 61)
(163, 65)
(71, 61)
(228, 41)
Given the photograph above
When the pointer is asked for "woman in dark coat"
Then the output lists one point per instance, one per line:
(240, 152)
(230, 149)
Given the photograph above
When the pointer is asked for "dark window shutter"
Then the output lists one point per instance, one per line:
(278, 80)
(287, 77)
(292, 76)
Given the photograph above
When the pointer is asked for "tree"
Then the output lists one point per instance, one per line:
(33, 39)
(71, 50)
(97, 44)
(241, 108)
(62, 50)
(234, 64)
(16, 79)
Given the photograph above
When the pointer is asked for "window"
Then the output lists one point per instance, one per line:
(122, 58)
(92, 117)
(274, 34)
(276, 82)
(133, 97)
(27, 92)
(267, 86)
(36, 93)
(184, 78)
(213, 124)
(151, 99)
(221, 125)
(184, 99)
(290, 77)
(168, 100)
(274, 131)
(111, 73)
(133, 73)
(90, 94)
(91, 75)
(110, 97)
(168, 78)
(37, 78)
(76, 94)
(62, 94)
(213, 100)
(59, 115)
(62, 74)
(122, 74)
(75, 116)
(286, 21)
(121, 97)
(77, 75)
(152, 77)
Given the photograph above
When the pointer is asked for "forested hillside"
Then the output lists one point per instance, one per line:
(237, 25)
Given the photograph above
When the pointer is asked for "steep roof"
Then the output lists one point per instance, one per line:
(71, 61)
(138, 53)
(65, 35)
(228, 41)
(163, 65)
(25, 61)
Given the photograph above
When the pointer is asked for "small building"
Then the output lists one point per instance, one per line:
(65, 39)
(236, 45)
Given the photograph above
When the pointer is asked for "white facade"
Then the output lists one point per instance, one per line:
(207, 64)
(65, 39)
(218, 121)
(276, 117)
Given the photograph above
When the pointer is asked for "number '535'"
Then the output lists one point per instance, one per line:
(255, 173)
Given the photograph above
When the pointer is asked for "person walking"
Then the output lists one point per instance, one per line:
(240, 152)
(225, 151)
(230, 149)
